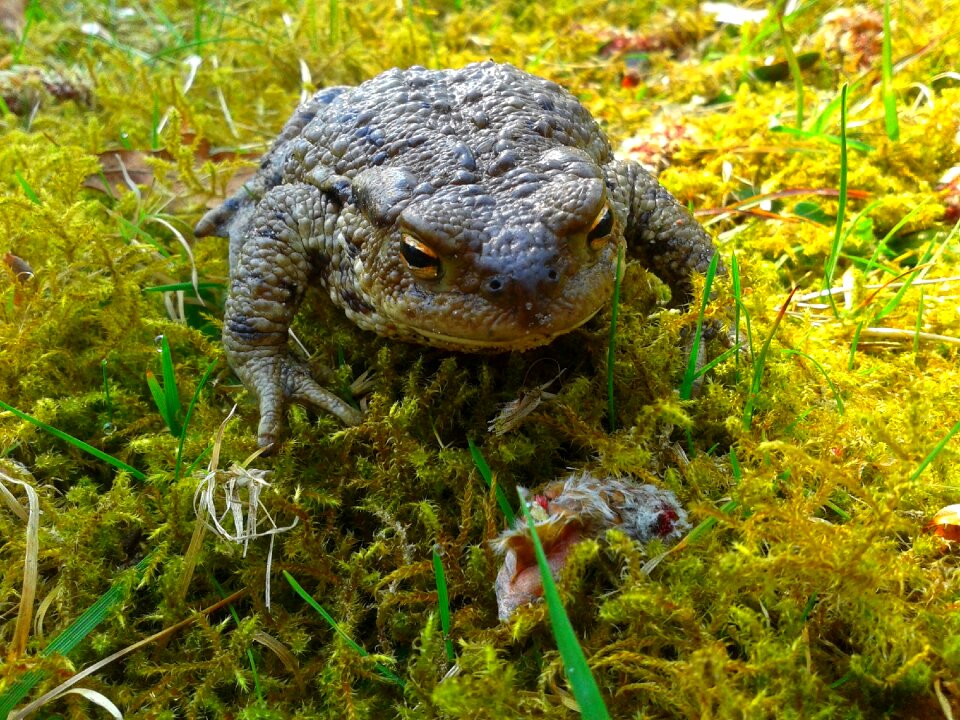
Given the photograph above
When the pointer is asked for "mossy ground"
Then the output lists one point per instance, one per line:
(819, 596)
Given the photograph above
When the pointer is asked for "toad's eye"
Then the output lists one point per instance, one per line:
(601, 229)
(420, 258)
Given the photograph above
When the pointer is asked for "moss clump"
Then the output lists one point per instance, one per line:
(817, 594)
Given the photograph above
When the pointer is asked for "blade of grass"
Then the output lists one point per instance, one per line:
(487, 476)
(170, 392)
(575, 665)
(612, 346)
(686, 386)
(882, 245)
(73, 635)
(832, 139)
(936, 451)
(831, 107)
(76, 442)
(382, 669)
(891, 122)
(31, 15)
(27, 190)
(443, 602)
(831, 264)
(707, 367)
(833, 388)
(63, 687)
(159, 399)
(853, 345)
(917, 327)
(737, 303)
(184, 286)
(186, 420)
(922, 266)
(106, 396)
(760, 362)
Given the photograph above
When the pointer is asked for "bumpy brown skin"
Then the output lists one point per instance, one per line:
(504, 176)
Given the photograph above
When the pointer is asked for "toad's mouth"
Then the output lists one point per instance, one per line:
(519, 337)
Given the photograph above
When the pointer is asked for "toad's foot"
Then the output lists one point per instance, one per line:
(279, 380)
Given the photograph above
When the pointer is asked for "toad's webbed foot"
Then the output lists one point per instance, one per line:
(280, 379)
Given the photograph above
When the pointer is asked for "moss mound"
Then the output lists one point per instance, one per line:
(819, 451)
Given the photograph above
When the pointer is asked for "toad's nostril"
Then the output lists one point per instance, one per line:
(553, 275)
(495, 285)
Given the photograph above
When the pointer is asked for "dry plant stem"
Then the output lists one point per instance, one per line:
(66, 685)
(193, 552)
(30, 567)
(907, 335)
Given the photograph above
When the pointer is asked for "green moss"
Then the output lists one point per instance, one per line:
(818, 596)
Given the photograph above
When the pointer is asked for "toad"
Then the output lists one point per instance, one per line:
(478, 209)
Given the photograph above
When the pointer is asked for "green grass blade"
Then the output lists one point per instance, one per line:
(686, 386)
(170, 392)
(106, 394)
(833, 388)
(918, 326)
(707, 367)
(936, 451)
(891, 121)
(487, 476)
(27, 190)
(927, 255)
(612, 346)
(186, 286)
(882, 245)
(575, 666)
(760, 362)
(76, 442)
(824, 117)
(735, 468)
(737, 302)
(159, 399)
(186, 420)
(382, 669)
(66, 641)
(443, 602)
(853, 345)
(832, 139)
(831, 264)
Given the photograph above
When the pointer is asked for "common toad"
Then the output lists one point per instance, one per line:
(478, 209)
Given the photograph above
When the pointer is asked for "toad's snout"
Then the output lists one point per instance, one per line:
(522, 268)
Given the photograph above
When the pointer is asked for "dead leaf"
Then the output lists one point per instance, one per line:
(946, 523)
(123, 170)
(12, 14)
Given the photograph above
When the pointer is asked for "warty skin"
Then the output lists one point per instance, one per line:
(478, 210)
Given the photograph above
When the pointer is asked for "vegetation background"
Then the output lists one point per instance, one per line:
(819, 583)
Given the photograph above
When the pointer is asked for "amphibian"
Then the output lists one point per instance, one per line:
(478, 209)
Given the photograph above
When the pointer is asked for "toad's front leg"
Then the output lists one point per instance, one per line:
(663, 234)
(267, 285)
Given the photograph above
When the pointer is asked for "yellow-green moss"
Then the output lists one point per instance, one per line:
(819, 595)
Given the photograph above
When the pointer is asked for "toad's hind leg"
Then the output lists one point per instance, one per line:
(267, 285)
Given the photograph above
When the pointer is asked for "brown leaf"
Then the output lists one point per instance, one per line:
(946, 523)
(12, 14)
